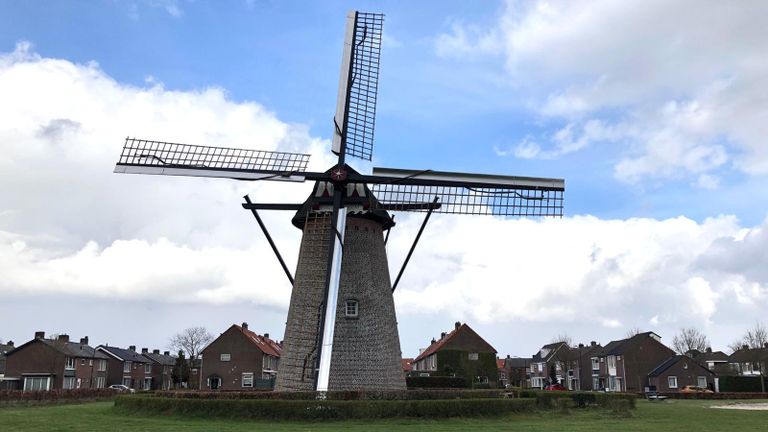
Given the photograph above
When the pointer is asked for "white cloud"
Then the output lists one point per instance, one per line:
(684, 86)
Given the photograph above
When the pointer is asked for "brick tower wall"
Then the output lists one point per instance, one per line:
(366, 352)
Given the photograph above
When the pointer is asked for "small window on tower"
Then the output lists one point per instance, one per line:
(350, 309)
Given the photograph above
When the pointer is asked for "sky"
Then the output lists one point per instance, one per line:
(655, 113)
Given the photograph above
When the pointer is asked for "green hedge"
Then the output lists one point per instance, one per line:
(546, 399)
(328, 409)
(416, 394)
(436, 382)
(20, 398)
(740, 384)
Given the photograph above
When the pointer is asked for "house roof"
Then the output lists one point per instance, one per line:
(265, 344)
(407, 364)
(6, 348)
(123, 354)
(713, 356)
(439, 344)
(618, 347)
(548, 351)
(70, 349)
(671, 361)
(517, 362)
(166, 360)
(746, 355)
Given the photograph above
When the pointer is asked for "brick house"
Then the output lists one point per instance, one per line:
(48, 364)
(461, 353)
(716, 361)
(503, 372)
(749, 361)
(586, 367)
(239, 359)
(407, 364)
(551, 358)
(127, 367)
(677, 372)
(161, 370)
(624, 364)
(518, 371)
(4, 348)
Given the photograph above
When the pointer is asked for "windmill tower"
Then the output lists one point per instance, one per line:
(341, 331)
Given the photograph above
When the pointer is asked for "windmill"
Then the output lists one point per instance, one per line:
(341, 331)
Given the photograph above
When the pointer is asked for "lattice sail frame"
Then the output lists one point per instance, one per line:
(141, 156)
(358, 85)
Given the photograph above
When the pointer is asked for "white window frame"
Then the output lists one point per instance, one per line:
(611, 362)
(147, 368)
(70, 363)
(473, 356)
(99, 382)
(126, 367)
(247, 380)
(351, 308)
(699, 380)
(225, 357)
(127, 381)
(147, 383)
(672, 381)
(432, 362)
(102, 365)
(35, 383)
(595, 363)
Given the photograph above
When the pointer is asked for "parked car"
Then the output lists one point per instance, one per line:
(555, 387)
(121, 388)
(694, 389)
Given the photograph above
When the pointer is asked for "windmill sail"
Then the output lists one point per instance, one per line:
(358, 85)
(163, 158)
(464, 193)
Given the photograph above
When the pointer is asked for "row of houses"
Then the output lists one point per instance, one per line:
(240, 359)
(634, 364)
(237, 359)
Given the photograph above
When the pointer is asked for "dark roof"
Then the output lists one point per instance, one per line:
(547, 351)
(437, 345)
(124, 354)
(749, 355)
(618, 347)
(166, 360)
(6, 348)
(671, 361)
(517, 362)
(590, 350)
(711, 356)
(70, 349)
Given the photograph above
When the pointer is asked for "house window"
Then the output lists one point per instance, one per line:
(595, 364)
(672, 382)
(611, 362)
(537, 382)
(147, 383)
(473, 356)
(595, 383)
(102, 365)
(70, 363)
(685, 366)
(350, 309)
(90, 362)
(127, 367)
(225, 357)
(702, 381)
(248, 379)
(69, 383)
(432, 362)
(148, 368)
(37, 383)
(82, 362)
(99, 382)
(127, 381)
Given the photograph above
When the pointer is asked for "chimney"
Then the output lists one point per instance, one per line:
(10, 344)
(84, 340)
(433, 340)
(508, 356)
(155, 351)
(442, 335)
(244, 326)
(39, 335)
(581, 345)
(132, 348)
(593, 343)
(457, 325)
(266, 335)
(745, 347)
(166, 353)
(709, 349)
(63, 338)
(145, 350)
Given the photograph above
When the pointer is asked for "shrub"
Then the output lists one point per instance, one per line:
(740, 384)
(620, 407)
(547, 399)
(18, 397)
(415, 394)
(325, 409)
(435, 382)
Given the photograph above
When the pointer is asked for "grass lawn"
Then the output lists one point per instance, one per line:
(673, 415)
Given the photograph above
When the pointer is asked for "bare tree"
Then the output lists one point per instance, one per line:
(690, 339)
(755, 340)
(192, 340)
(563, 337)
(634, 331)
